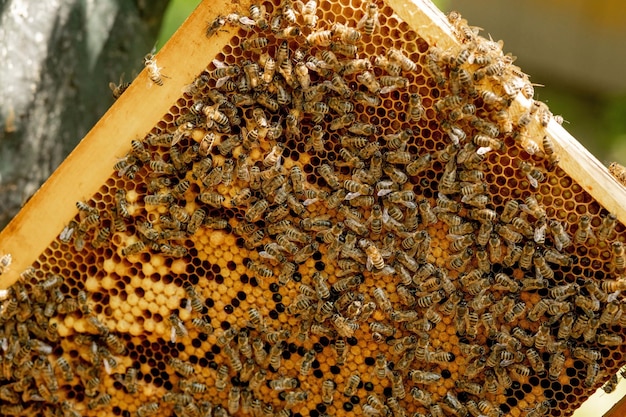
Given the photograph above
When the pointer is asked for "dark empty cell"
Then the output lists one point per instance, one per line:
(203, 337)
(368, 386)
(231, 265)
(254, 282)
(280, 307)
(244, 279)
(556, 386)
(534, 381)
(391, 365)
(158, 381)
(321, 407)
(286, 355)
(301, 350)
(193, 359)
(125, 413)
(203, 362)
(445, 374)
(274, 287)
(370, 361)
(567, 389)
(324, 341)
(545, 383)
(320, 266)
(315, 364)
(209, 302)
(548, 393)
(219, 279)
(317, 373)
(387, 392)
(213, 365)
(318, 347)
(216, 269)
(241, 295)
(519, 394)
(314, 413)
(155, 372)
(352, 341)
(273, 314)
(297, 415)
(463, 397)
(225, 325)
(293, 348)
(297, 277)
(181, 347)
(348, 406)
(355, 399)
(209, 355)
(335, 370)
(559, 396)
(216, 349)
(235, 381)
(277, 298)
(196, 343)
(117, 411)
(234, 302)
(282, 395)
(515, 385)
(505, 408)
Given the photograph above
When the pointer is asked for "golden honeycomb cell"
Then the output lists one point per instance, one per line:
(234, 262)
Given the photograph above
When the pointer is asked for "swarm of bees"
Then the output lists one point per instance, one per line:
(366, 193)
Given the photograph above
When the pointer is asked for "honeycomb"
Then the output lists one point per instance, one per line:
(336, 217)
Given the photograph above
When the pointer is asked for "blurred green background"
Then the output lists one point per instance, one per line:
(584, 83)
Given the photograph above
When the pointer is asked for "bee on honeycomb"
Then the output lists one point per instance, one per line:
(332, 222)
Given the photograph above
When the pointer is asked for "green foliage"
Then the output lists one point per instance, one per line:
(175, 15)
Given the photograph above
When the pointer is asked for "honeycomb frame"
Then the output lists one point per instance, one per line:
(24, 238)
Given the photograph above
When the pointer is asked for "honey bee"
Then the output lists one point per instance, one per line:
(366, 99)
(593, 373)
(369, 23)
(101, 400)
(607, 227)
(609, 339)
(154, 71)
(584, 230)
(368, 79)
(133, 249)
(118, 89)
(214, 26)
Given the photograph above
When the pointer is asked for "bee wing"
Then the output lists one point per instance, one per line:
(220, 82)
(533, 182)
(219, 64)
(352, 196)
(362, 21)
(310, 201)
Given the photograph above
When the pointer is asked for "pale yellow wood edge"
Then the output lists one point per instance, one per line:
(132, 116)
(427, 20)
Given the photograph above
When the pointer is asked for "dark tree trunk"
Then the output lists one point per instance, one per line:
(57, 58)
